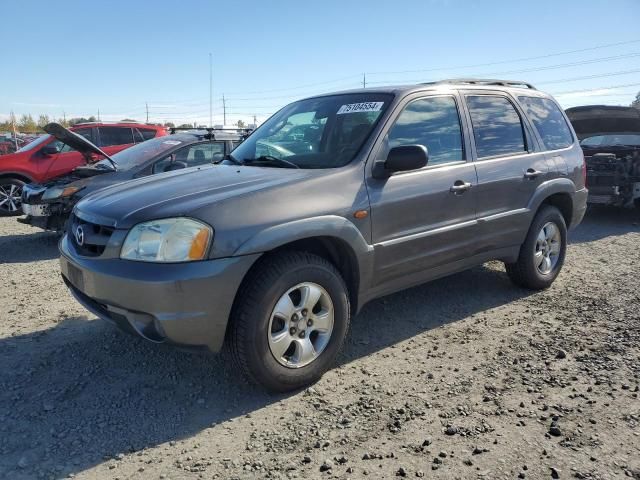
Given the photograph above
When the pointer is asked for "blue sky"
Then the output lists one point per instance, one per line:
(80, 56)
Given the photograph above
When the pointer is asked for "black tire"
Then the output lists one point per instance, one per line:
(524, 271)
(248, 331)
(10, 208)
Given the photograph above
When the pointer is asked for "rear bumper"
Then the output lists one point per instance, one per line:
(186, 304)
(579, 207)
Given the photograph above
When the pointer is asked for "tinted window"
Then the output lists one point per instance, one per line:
(84, 132)
(147, 134)
(497, 128)
(115, 136)
(194, 155)
(433, 122)
(549, 122)
(611, 140)
(137, 136)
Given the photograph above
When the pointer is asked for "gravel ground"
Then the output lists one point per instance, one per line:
(466, 377)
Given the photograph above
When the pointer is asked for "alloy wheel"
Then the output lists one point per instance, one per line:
(10, 197)
(547, 248)
(301, 324)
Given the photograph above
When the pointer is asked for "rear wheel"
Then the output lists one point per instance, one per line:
(289, 320)
(10, 196)
(542, 253)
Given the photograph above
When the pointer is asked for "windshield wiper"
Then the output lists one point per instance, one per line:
(270, 159)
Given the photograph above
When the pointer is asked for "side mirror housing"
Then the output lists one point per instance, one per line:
(51, 149)
(401, 159)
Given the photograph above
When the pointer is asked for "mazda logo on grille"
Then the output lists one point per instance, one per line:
(79, 234)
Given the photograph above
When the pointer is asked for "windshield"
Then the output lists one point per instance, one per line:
(325, 132)
(36, 143)
(141, 153)
(611, 140)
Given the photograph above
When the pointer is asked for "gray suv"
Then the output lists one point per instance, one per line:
(273, 251)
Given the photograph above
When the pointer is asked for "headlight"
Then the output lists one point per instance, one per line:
(167, 240)
(52, 193)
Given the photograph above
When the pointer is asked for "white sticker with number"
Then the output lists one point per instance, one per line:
(360, 107)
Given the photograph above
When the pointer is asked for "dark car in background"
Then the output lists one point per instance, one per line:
(610, 139)
(47, 157)
(48, 205)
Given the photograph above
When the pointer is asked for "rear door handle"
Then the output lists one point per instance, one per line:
(460, 187)
(532, 173)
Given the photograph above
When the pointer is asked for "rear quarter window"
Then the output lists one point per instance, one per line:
(549, 121)
(115, 136)
(148, 134)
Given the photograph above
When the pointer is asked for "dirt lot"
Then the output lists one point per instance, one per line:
(465, 377)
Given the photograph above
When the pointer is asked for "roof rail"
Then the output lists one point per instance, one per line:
(484, 81)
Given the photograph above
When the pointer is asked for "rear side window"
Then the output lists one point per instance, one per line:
(497, 128)
(549, 122)
(115, 136)
(433, 122)
(147, 134)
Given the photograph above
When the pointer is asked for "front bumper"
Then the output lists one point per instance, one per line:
(186, 304)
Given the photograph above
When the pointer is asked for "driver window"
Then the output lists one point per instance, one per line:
(433, 122)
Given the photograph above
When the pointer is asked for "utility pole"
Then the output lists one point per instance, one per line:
(210, 91)
(64, 118)
(146, 104)
(12, 118)
(255, 122)
(364, 80)
(224, 111)
(98, 113)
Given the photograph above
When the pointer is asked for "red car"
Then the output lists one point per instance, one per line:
(47, 157)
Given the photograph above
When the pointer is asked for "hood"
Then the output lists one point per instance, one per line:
(75, 141)
(593, 120)
(180, 193)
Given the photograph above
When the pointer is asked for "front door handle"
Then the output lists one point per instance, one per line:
(532, 173)
(460, 187)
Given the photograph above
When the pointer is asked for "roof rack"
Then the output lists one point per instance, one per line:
(211, 131)
(484, 81)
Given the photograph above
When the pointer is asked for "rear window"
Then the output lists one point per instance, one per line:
(115, 136)
(497, 128)
(549, 121)
(147, 134)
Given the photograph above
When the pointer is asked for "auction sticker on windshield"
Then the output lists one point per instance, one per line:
(360, 107)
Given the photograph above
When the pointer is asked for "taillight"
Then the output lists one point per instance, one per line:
(584, 170)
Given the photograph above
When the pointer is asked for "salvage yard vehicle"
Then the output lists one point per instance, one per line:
(47, 157)
(274, 255)
(48, 205)
(610, 139)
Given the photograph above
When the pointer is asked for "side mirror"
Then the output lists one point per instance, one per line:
(51, 149)
(175, 166)
(401, 159)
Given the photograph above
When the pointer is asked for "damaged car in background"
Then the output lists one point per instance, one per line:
(610, 139)
(48, 205)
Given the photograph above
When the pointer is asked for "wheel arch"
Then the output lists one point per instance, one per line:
(557, 193)
(18, 176)
(331, 237)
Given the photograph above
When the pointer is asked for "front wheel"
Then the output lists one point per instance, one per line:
(10, 196)
(543, 251)
(289, 320)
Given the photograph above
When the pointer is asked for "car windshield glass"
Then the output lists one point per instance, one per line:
(324, 132)
(611, 140)
(142, 152)
(36, 143)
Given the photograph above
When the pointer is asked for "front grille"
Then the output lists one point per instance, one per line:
(90, 239)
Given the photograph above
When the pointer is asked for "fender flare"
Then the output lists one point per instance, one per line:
(331, 226)
(548, 188)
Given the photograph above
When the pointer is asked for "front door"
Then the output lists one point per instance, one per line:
(425, 218)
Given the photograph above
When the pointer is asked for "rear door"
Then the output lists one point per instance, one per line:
(424, 218)
(114, 139)
(509, 164)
